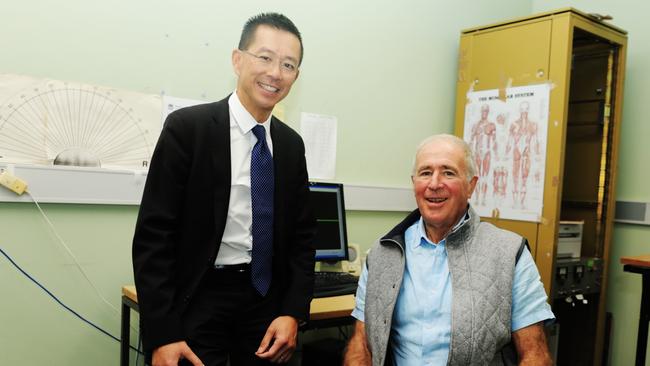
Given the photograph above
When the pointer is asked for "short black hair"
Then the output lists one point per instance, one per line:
(275, 20)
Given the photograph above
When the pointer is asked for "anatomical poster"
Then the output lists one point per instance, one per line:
(507, 134)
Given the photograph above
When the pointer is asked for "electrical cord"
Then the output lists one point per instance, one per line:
(61, 302)
(18, 186)
(137, 354)
(116, 312)
(70, 254)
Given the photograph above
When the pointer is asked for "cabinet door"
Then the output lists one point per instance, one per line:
(516, 55)
(511, 55)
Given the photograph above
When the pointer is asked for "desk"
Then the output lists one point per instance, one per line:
(324, 312)
(641, 264)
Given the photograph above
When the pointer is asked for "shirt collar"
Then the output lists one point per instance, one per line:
(422, 234)
(242, 118)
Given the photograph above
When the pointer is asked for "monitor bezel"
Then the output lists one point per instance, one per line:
(342, 218)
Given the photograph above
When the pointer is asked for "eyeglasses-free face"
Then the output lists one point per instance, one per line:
(441, 186)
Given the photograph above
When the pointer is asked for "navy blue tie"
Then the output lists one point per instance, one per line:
(262, 206)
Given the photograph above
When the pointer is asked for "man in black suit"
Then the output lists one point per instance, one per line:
(201, 298)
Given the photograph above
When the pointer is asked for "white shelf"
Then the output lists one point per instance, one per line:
(63, 184)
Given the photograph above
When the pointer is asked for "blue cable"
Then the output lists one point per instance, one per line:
(61, 303)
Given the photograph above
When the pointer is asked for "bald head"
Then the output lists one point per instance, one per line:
(470, 166)
(443, 182)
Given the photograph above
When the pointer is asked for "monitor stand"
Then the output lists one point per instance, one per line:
(337, 266)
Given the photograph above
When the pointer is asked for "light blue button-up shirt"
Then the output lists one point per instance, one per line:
(421, 329)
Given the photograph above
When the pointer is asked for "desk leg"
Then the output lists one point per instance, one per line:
(644, 320)
(125, 333)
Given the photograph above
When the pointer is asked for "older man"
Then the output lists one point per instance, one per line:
(444, 288)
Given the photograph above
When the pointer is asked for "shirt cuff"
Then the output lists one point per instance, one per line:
(357, 314)
(542, 315)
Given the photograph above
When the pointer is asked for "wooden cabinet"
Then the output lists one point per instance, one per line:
(583, 61)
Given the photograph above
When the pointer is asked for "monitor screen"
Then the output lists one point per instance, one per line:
(331, 240)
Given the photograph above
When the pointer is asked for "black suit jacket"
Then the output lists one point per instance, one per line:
(183, 215)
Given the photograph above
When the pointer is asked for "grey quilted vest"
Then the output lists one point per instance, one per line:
(481, 259)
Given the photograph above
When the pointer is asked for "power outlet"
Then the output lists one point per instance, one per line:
(13, 183)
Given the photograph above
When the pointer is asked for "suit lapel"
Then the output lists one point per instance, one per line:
(278, 151)
(221, 161)
(221, 138)
(279, 175)
(280, 158)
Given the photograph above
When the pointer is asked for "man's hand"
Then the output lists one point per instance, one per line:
(357, 352)
(170, 354)
(279, 342)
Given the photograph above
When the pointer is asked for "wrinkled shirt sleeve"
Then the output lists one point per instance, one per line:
(360, 301)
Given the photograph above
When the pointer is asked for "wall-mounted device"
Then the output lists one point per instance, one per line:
(629, 212)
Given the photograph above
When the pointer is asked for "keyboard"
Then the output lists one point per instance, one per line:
(328, 284)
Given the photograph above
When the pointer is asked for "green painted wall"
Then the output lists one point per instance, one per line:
(35, 330)
(624, 289)
(386, 69)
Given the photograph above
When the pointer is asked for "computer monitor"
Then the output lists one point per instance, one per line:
(331, 240)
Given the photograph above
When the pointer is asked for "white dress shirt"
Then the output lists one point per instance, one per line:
(237, 240)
